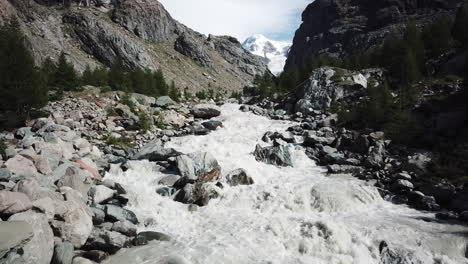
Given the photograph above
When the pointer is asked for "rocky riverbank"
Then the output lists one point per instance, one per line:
(400, 173)
(55, 206)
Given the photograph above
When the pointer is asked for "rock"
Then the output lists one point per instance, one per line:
(344, 169)
(171, 118)
(155, 151)
(239, 177)
(275, 155)
(5, 175)
(376, 156)
(78, 222)
(164, 101)
(105, 240)
(95, 255)
(402, 186)
(13, 203)
(98, 216)
(443, 193)
(447, 216)
(427, 203)
(42, 165)
(35, 191)
(45, 205)
(311, 140)
(76, 179)
(63, 253)
(90, 167)
(212, 124)
(40, 248)
(100, 193)
(21, 166)
(390, 255)
(14, 235)
(206, 111)
(143, 99)
(165, 191)
(419, 163)
(115, 213)
(199, 194)
(24, 132)
(460, 202)
(125, 227)
(169, 180)
(10, 152)
(193, 48)
(143, 238)
(80, 260)
(196, 165)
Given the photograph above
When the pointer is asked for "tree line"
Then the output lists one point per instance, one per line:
(25, 86)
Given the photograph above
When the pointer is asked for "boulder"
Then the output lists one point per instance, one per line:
(76, 179)
(143, 238)
(427, 203)
(13, 202)
(444, 193)
(88, 165)
(105, 240)
(344, 169)
(78, 222)
(100, 193)
(206, 111)
(212, 124)
(14, 235)
(80, 260)
(125, 227)
(172, 118)
(402, 186)
(40, 248)
(163, 101)
(418, 163)
(21, 166)
(5, 175)
(276, 155)
(115, 214)
(144, 99)
(196, 165)
(155, 151)
(63, 253)
(239, 177)
(376, 156)
(198, 193)
(47, 206)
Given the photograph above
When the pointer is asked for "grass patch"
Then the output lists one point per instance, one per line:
(123, 142)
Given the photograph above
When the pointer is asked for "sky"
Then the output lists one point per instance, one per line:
(276, 19)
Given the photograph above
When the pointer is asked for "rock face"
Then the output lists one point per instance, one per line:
(326, 85)
(342, 27)
(142, 32)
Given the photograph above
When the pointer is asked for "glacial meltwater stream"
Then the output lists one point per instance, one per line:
(289, 215)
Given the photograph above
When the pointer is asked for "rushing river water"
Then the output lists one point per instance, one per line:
(290, 215)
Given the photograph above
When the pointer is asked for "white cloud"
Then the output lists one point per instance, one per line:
(239, 18)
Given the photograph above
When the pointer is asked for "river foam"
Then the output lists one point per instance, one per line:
(290, 215)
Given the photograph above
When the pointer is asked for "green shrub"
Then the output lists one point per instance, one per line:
(111, 111)
(123, 142)
(160, 122)
(144, 122)
(3, 147)
(127, 100)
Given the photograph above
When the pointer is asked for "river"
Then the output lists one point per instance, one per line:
(289, 215)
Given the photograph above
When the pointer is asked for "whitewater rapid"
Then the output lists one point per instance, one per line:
(290, 215)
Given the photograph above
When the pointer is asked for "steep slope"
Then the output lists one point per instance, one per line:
(340, 27)
(275, 52)
(142, 32)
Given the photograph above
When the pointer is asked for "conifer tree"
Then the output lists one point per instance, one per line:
(65, 77)
(460, 28)
(48, 70)
(118, 76)
(438, 36)
(21, 85)
(87, 76)
(174, 92)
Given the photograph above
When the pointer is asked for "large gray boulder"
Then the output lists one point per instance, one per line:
(155, 151)
(21, 166)
(108, 241)
(196, 165)
(276, 155)
(13, 202)
(77, 220)
(206, 111)
(63, 253)
(164, 101)
(14, 235)
(40, 248)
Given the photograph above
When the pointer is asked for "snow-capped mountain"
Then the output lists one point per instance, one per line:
(275, 51)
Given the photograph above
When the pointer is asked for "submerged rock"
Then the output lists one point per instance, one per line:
(155, 151)
(206, 111)
(239, 177)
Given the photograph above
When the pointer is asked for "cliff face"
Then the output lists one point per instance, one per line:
(142, 32)
(342, 27)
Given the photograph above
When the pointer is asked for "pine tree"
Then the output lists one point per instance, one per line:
(48, 70)
(160, 83)
(174, 92)
(438, 36)
(460, 28)
(21, 85)
(118, 76)
(87, 76)
(139, 83)
(65, 78)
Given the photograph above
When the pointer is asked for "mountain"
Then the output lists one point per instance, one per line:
(342, 27)
(275, 52)
(142, 32)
